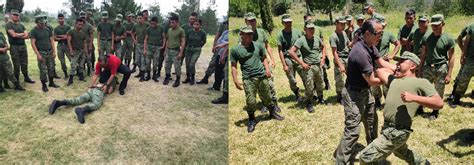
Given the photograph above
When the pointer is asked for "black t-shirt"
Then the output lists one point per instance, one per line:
(361, 61)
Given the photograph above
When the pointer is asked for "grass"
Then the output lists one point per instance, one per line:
(151, 123)
(304, 137)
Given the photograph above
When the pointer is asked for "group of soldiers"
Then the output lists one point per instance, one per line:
(363, 74)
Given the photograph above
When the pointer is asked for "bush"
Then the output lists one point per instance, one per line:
(280, 8)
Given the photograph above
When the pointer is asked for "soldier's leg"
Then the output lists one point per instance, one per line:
(108, 48)
(161, 59)
(377, 93)
(78, 100)
(177, 69)
(126, 75)
(264, 92)
(140, 58)
(97, 99)
(210, 69)
(24, 60)
(404, 153)
(250, 88)
(390, 141)
(148, 61)
(8, 70)
(50, 64)
(218, 76)
(83, 57)
(43, 69)
(156, 57)
(456, 81)
(439, 75)
(369, 117)
(291, 74)
(62, 54)
(318, 81)
(92, 57)
(15, 56)
(119, 50)
(188, 53)
(464, 77)
(171, 55)
(192, 65)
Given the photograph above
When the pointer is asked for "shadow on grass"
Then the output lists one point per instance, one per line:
(322, 23)
(259, 118)
(463, 138)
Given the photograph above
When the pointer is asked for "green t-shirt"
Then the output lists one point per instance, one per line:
(155, 35)
(318, 32)
(42, 37)
(186, 27)
(469, 54)
(17, 28)
(90, 21)
(417, 37)
(437, 48)
(196, 39)
(384, 44)
(340, 42)
(396, 110)
(288, 39)
(174, 37)
(62, 30)
(403, 33)
(140, 31)
(88, 30)
(77, 39)
(310, 49)
(260, 36)
(105, 29)
(250, 59)
(3, 44)
(118, 31)
(128, 27)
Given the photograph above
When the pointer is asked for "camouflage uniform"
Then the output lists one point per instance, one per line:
(467, 70)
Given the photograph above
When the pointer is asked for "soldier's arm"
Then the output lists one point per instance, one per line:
(422, 58)
(372, 80)
(337, 59)
(383, 74)
(181, 47)
(85, 47)
(292, 53)
(267, 68)
(33, 45)
(15, 35)
(92, 40)
(52, 45)
(460, 41)
(163, 41)
(323, 58)
(270, 54)
(98, 39)
(4, 49)
(450, 64)
(94, 79)
(69, 45)
(113, 40)
(204, 38)
(282, 58)
(145, 43)
(431, 102)
(464, 49)
(384, 64)
(396, 49)
(237, 83)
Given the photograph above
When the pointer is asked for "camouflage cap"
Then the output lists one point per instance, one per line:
(423, 17)
(437, 19)
(117, 19)
(104, 14)
(40, 19)
(82, 14)
(309, 24)
(120, 16)
(246, 29)
(129, 14)
(348, 17)
(250, 16)
(381, 19)
(367, 5)
(359, 16)
(15, 11)
(286, 18)
(341, 19)
(408, 56)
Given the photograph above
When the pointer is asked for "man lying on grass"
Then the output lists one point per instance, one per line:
(406, 93)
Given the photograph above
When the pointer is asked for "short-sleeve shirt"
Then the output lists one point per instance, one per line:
(42, 36)
(417, 37)
(155, 35)
(340, 42)
(174, 37)
(113, 63)
(469, 30)
(287, 39)
(250, 59)
(17, 28)
(196, 38)
(128, 27)
(62, 30)
(384, 44)
(118, 31)
(396, 110)
(260, 36)
(186, 28)
(140, 31)
(404, 32)
(310, 49)
(88, 30)
(437, 48)
(3, 44)
(105, 29)
(361, 61)
(77, 39)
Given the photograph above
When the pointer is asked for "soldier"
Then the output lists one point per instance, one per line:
(409, 27)
(139, 32)
(175, 41)
(145, 15)
(222, 50)
(356, 96)
(51, 29)
(78, 50)
(128, 41)
(118, 34)
(212, 64)
(88, 30)
(108, 66)
(405, 95)
(19, 54)
(91, 51)
(155, 40)
(350, 27)
(6, 71)
(360, 21)
(60, 35)
(285, 39)
(437, 60)
(89, 18)
(369, 8)
(189, 26)
(339, 42)
(195, 40)
(313, 53)
(467, 61)
(252, 58)
(42, 43)
(104, 34)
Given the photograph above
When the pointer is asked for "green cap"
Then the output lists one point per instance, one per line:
(120, 16)
(423, 17)
(89, 11)
(82, 14)
(367, 5)
(40, 19)
(341, 19)
(408, 56)
(286, 18)
(309, 24)
(118, 19)
(348, 17)
(246, 29)
(359, 17)
(250, 16)
(104, 14)
(437, 19)
(129, 14)
(15, 11)
(380, 18)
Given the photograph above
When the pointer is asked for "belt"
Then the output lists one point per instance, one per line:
(45, 50)
(18, 44)
(174, 48)
(396, 126)
(154, 44)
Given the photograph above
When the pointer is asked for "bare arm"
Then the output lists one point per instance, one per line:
(69, 45)
(384, 64)
(33, 45)
(337, 61)
(181, 47)
(270, 54)
(282, 58)
(372, 80)
(433, 102)
(396, 49)
(450, 65)
(237, 83)
(293, 55)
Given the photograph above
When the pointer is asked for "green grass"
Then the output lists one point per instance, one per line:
(304, 137)
(151, 123)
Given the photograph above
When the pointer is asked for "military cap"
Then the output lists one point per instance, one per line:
(408, 56)
(246, 29)
(250, 16)
(423, 17)
(341, 19)
(286, 18)
(437, 19)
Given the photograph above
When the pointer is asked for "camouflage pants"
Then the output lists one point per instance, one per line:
(105, 46)
(392, 141)
(271, 82)
(118, 50)
(127, 49)
(19, 55)
(192, 55)
(171, 59)
(378, 91)
(339, 77)
(63, 52)
(465, 76)
(226, 77)
(46, 65)
(139, 61)
(93, 99)
(293, 68)
(313, 81)
(358, 107)
(154, 54)
(89, 58)
(436, 75)
(77, 62)
(6, 71)
(255, 85)
(212, 64)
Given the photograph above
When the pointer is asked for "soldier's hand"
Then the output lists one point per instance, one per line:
(305, 66)
(272, 63)
(214, 49)
(285, 68)
(238, 85)
(104, 88)
(342, 69)
(321, 64)
(112, 48)
(39, 58)
(462, 60)
(144, 52)
(71, 53)
(447, 79)
(407, 97)
(268, 74)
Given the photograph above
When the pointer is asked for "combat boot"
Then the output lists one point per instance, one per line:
(44, 86)
(81, 76)
(276, 108)
(56, 76)
(142, 76)
(139, 74)
(321, 100)
(147, 78)
(65, 74)
(81, 112)
(455, 101)
(252, 122)
(70, 81)
(451, 96)
(339, 98)
(298, 97)
(176, 83)
(167, 79)
(192, 79)
(155, 77)
(204, 80)
(274, 114)
(55, 105)
(224, 99)
(377, 104)
(18, 87)
(188, 79)
(309, 107)
(27, 79)
(434, 115)
(52, 84)
(5, 83)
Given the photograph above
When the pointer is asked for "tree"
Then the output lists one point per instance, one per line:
(326, 6)
(266, 16)
(237, 8)
(209, 20)
(14, 4)
(186, 9)
(155, 11)
(115, 7)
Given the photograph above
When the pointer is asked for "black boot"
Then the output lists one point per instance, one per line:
(167, 79)
(187, 79)
(65, 74)
(321, 100)
(80, 114)
(71, 80)
(192, 79)
(455, 102)
(148, 76)
(27, 79)
(55, 105)
(276, 107)
(81, 76)
(298, 97)
(204, 80)
(274, 114)
(134, 68)
(88, 71)
(142, 76)
(224, 99)
(18, 87)
(252, 122)
(451, 97)
(309, 107)
(139, 75)
(434, 115)
(176, 83)
(155, 77)
(339, 98)
(52, 84)
(377, 104)
(419, 111)
(56, 76)
(44, 86)
(5, 83)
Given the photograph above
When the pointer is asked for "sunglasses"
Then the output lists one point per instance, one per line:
(379, 33)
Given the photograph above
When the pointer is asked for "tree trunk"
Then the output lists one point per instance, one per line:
(330, 15)
(266, 16)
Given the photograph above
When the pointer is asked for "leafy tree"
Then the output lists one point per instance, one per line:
(115, 7)
(266, 16)
(155, 11)
(14, 4)
(209, 20)
(326, 6)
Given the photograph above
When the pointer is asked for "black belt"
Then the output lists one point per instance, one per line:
(396, 126)
(18, 44)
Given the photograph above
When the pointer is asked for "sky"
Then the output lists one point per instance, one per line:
(166, 6)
